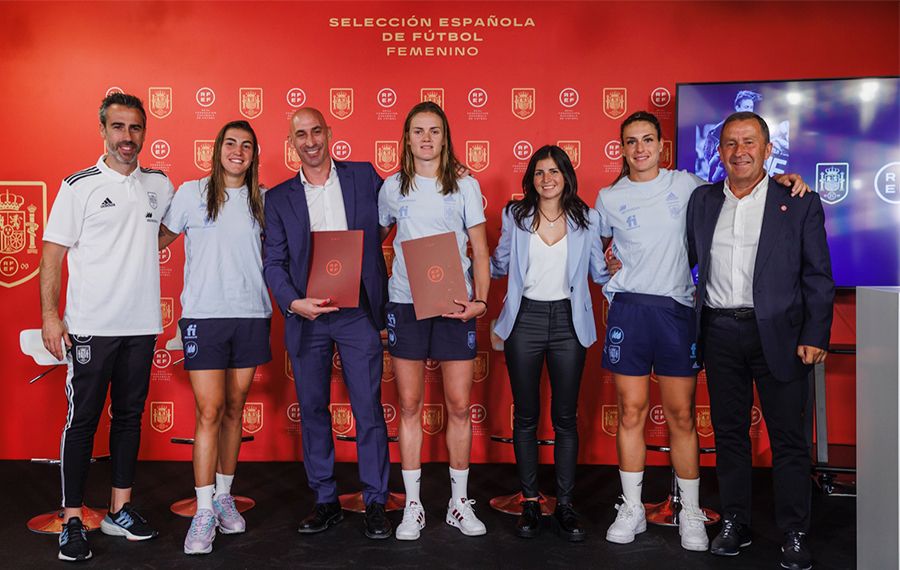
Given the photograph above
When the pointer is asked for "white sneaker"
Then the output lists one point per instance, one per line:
(630, 521)
(692, 528)
(413, 522)
(461, 515)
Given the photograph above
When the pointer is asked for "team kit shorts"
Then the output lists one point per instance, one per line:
(438, 338)
(218, 344)
(650, 332)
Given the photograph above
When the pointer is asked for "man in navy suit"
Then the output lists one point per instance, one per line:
(329, 195)
(764, 303)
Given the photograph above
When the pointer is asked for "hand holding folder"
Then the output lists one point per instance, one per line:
(435, 274)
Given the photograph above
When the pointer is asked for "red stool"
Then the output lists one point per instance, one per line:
(512, 504)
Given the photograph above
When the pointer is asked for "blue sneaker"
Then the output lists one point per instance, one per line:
(73, 544)
(128, 523)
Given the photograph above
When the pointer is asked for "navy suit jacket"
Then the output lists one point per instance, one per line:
(793, 291)
(287, 242)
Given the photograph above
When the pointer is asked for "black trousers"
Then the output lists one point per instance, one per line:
(544, 331)
(95, 364)
(734, 359)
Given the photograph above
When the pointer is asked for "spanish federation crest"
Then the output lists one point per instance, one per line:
(291, 158)
(341, 418)
(251, 100)
(167, 310)
(704, 421)
(610, 415)
(615, 101)
(162, 416)
(387, 156)
(573, 149)
(481, 364)
(160, 102)
(341, 105)
(23, 211)
(478, 155)
(433, 94)
(387, 368)
(432, 418)
(665, 158)
(523, 102)
(83, 353)
(252, 417)
(203, 155)
(832, 181)
(288, 367)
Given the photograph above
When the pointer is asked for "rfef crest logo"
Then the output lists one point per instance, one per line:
(478, 155)
(162, 416)
(523, 102)
(205, 97)
(660, 97)
(573, 149)
(291, 158)
(477, 413)
(295, 97)
(340, 150)
(293, 413)
(251, 102)
(113, 89)
(167, 310)
(615, 101)
(160, 149)
(568, 97)
(886, 180)
(478, 97)
(832, 181)
(23, 211)
(341, 418)
(610, 423)
(390, 413)
(341, 102)
(522, 150)
(432, 418)
(657, 415)
(203, 155)
(386, 98)
(613, 150)
(252, 417)
(160, 102)
(704, 421)
(433, 94)
(387, 155)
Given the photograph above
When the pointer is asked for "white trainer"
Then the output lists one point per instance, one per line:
(461, 515)
(413, 522)
(692, 528)
(630, 520)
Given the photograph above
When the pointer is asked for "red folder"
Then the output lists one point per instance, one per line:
(435, 274)
(335, 267)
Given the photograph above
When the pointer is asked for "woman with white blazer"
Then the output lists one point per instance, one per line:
(549, 241)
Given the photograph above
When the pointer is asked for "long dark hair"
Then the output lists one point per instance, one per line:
(634, 118)
(215, 187)
(449, 166)
(574, 207)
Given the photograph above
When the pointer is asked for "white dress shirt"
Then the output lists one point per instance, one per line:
(325, 203)
(734, 245)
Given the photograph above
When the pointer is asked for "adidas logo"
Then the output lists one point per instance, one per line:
(107, 203)
(149, 215)
(671, 197)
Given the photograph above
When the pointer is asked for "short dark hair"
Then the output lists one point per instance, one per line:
(125, 100)
(747, 116)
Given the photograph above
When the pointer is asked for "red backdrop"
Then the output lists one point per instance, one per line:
(511, 77)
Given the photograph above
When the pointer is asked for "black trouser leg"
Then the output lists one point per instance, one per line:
(128, 394)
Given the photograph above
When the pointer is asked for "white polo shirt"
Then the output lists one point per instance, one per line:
(110, 225)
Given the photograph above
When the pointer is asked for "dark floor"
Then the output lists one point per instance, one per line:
(283, 498)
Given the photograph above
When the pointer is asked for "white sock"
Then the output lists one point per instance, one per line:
(631, 485)
(459, 482)
(411, 480)
(690, 492)
(205, 496)
(223, 484)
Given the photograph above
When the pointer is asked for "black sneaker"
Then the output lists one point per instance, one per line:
(128, 523)
(731, 539)
(529, 523)
(795, 554)
(73, 544)
(377, 524)
(565, 519)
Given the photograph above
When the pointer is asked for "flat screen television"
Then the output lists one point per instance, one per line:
(841, 135)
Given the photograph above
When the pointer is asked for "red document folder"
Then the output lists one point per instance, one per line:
(435, 274)
(335, 267)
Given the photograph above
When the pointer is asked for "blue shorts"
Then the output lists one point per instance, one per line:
(650, 332)
(438, 338)
(218, 344)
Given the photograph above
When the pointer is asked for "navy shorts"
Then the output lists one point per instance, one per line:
(650, 332)
(218, 344)
(438, 338)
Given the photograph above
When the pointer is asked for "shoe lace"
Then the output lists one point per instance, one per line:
(131, 515)
(795, 541)
(465, 507)
(66, 537)
(729, 527)
(625, 508)
(694, 517)
(411, 513)
(201, 523)
(226, 503)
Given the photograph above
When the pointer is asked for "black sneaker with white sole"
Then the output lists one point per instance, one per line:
(128, 523)
(73, 544)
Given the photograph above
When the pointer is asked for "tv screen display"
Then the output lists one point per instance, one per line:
(841, 135)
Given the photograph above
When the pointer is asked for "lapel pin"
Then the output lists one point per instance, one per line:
(783, 208)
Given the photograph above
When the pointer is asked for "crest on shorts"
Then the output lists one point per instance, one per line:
(203, 155)
(610, 423)
(341, 102)
(573, 149)
(251, 101)
(160, 102)
(252, 417)
(291, 158)
(162, 416)
(23, 211)
(478, 155)
(704, 421)
(523, 102)
(470, 340)
(615, 101)
(167, 309)
(387, 367)
(341, 418)
(615, 353)
(482, 358)
(387, 155)
(433, 94)
(432, 418)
